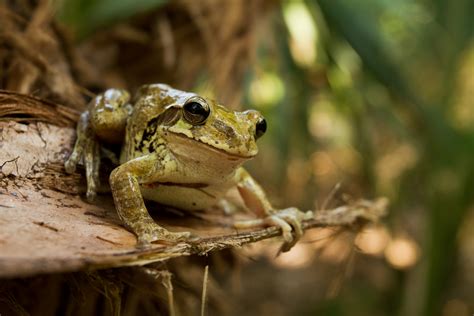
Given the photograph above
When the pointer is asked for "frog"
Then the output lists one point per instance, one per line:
(179, 149)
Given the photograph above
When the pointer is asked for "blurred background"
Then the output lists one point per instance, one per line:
(363, 99)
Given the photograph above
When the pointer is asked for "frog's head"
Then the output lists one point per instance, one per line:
(218, 128)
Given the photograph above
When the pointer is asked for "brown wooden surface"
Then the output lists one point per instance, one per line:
(47, 227)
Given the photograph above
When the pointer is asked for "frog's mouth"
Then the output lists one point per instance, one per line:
(185, 143)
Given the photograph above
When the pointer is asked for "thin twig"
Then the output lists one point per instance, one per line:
(355, 214)
(204, 290)
(331, 195)
(169, 291)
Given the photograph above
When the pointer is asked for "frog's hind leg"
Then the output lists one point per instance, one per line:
(289, 220)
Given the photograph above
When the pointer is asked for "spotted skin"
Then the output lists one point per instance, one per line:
(183, 156)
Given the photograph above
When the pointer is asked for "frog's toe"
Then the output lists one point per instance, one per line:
(176, 237)
(91, 194)
(294, 217)
(92, 184)
(290, 221)
(153, 232)
(285, 227)
(72, 161)
(297, 227)
(145, 241)
(70, 166)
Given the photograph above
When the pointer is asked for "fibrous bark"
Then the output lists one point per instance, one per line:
(47, 226)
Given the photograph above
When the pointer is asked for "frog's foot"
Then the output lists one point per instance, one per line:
(76, 155)
(150, 232)
(87, 149)
(289, 220)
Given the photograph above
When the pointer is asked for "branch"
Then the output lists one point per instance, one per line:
(48, 228)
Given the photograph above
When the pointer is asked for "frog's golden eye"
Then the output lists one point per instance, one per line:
(260, 128)
(196, 111)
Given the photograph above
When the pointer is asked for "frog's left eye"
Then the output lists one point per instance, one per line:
(260, 128)
(196, 111)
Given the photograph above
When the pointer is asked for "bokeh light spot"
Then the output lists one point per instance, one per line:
(402, 253)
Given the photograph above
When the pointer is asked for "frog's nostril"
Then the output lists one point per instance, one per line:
(260, 128)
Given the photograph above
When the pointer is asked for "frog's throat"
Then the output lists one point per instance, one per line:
(211, 148)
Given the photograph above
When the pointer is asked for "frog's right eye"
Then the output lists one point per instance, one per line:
(196, 111)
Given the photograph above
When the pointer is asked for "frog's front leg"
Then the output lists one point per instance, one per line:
(125, 183)
(289, 219)
(88, 149)
(104, 120)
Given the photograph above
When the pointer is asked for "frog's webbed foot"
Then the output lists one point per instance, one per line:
(289, 220)
(86, 148)
(149, 231)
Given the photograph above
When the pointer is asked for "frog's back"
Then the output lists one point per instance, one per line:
(143, 129)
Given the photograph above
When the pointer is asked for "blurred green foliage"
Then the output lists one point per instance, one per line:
(86, 16)
(396, 72)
